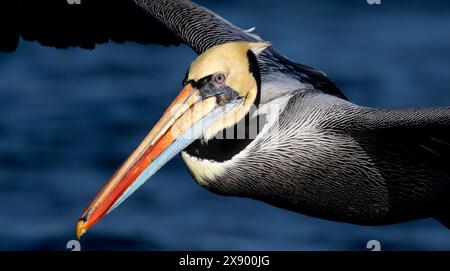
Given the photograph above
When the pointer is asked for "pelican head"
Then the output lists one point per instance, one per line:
(219, 89)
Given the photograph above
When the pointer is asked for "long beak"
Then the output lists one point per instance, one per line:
(181, 124)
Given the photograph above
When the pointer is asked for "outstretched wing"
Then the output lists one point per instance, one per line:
(167, 22)
(60, 24)
(201, 29)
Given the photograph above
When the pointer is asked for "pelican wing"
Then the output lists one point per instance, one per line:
(60, 24)
(410, 149)
(407, 135)
(197, 26)
(85, 23)
(201, 29)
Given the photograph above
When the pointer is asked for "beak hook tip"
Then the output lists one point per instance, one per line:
(80, 228)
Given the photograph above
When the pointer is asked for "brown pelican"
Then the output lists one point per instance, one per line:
(303, 145)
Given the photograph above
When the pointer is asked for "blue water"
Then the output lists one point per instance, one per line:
(70, 117)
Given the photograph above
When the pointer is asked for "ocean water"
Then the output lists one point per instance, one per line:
(70, 117)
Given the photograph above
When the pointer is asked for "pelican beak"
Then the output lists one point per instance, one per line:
(182, 123)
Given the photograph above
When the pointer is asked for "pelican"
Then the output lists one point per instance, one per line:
(249, 122)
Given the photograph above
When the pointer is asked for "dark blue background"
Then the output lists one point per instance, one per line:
(69, 118)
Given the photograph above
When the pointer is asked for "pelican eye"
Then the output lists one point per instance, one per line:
(219, 78)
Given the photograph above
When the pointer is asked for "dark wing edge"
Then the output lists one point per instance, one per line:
(166, 22)
(59, 24)
(427, 129)
(411, 149)
(318, 80)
